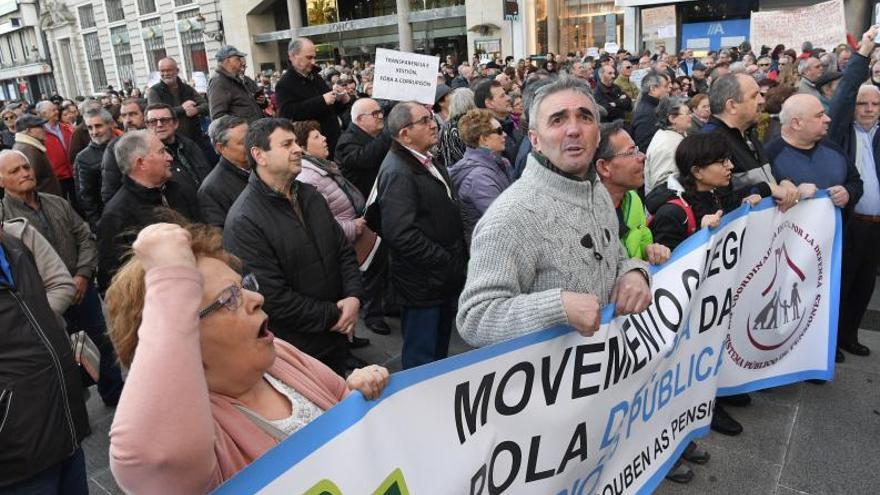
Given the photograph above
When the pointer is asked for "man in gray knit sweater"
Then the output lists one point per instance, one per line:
(547, 251)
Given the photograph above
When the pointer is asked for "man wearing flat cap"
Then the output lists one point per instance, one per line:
(30, 137)
(227, 92)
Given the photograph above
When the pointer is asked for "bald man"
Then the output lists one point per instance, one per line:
(802, 156)
(854, 113)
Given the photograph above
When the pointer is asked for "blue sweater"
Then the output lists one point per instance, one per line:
(825, 165)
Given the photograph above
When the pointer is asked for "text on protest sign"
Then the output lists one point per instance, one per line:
(404, 76)
(823, 24)
(555, 412)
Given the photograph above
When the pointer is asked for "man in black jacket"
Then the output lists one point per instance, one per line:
(615, 102)
(655, 86)
(190, 167)
(44, 414)
(131, 112)
(285, 234)
(223, 185)
(359, 153)
(420, 221)
(363, 146)
(187, 104)
(87, 165)
(146, 186)
(303, 95)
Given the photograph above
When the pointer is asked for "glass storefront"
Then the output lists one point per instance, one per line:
(320, 12)
(584, 25)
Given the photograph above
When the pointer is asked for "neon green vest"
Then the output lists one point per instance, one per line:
(639, 236)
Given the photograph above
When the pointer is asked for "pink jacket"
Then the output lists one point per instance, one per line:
(340, 204)
(170, 434)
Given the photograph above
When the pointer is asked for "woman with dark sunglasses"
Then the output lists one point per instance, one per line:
(209, 388)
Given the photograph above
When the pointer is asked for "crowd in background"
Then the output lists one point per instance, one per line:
(299, 196)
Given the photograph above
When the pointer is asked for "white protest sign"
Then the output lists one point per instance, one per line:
(658, 22)
(611, 48)
(750, 305)
(200, 82)
(823, 24)
(593, 52)
(404, 76)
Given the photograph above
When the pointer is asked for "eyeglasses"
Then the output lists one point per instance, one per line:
(626, 154)
(163, 121)
(231, 297)
(763, 65)
(422, 121)
(376, 114)
(496, 130)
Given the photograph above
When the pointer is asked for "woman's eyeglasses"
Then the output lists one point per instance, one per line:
(231, 297)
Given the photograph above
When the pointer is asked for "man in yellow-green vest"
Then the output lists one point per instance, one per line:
(620, 166)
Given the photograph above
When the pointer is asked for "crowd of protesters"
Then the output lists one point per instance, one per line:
(529, 194)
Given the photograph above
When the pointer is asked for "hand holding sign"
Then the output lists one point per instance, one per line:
(583, 312)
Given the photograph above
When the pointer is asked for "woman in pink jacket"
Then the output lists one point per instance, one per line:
(344, 199)
(209, 389)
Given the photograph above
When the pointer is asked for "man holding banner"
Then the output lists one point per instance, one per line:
(567, 261)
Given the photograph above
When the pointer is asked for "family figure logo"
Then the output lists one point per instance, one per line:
(784, 288)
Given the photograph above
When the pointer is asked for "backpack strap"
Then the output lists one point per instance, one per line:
(689, 212)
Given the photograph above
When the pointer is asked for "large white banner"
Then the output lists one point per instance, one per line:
(823, 24)
(405, 76)
(749, 305)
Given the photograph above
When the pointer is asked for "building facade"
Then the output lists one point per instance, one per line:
(25, 71)
(99, 43)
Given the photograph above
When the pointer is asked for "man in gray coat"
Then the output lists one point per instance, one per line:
(547, 252)
(227, 92)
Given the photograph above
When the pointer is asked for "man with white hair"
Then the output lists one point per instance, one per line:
(855, 110)
(57, 143)
(146, 167)
(810, 69)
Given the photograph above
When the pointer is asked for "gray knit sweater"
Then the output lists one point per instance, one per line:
(543, 235)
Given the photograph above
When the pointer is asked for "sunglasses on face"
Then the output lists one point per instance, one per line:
(496, 130)
(231, 297)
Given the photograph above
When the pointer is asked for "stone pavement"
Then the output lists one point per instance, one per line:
(798, 439)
